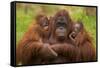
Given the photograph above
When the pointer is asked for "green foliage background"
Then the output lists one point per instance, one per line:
(26, 13)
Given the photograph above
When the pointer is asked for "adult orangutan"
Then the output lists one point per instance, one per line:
(33, 47)
(70, 48)
(59, 40)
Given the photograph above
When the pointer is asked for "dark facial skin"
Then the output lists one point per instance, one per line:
(61, 27)
(60, 30)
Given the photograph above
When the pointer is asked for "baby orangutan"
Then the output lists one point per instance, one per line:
(76, 30)
(83, 43)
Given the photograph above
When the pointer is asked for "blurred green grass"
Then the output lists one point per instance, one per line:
(22, 22)
(24, 19)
